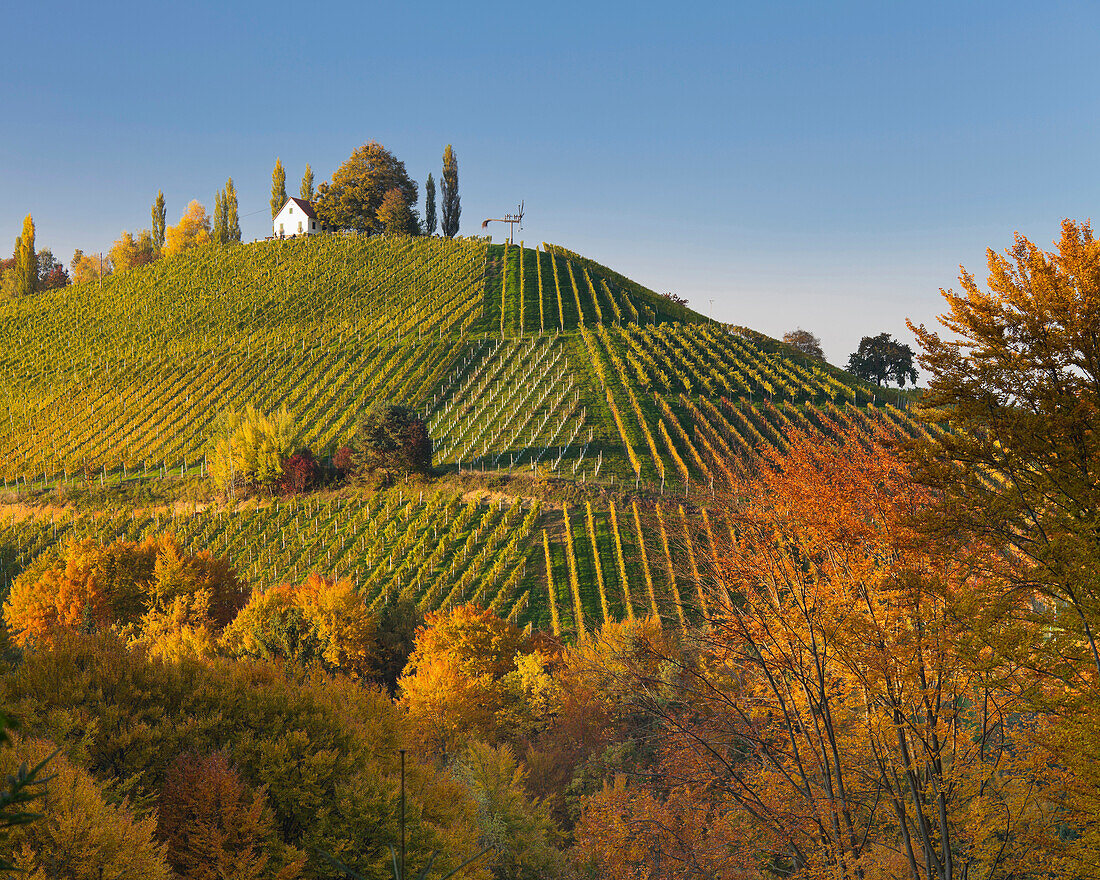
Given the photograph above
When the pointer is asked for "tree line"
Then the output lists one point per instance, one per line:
(371, 193)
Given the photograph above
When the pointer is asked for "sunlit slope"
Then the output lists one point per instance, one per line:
(131, 374)
(552, 290)
(318, 289)
(531, 362)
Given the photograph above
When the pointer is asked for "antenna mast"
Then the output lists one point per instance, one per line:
(511, 220)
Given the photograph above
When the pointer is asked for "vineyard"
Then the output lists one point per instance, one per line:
(534, 362)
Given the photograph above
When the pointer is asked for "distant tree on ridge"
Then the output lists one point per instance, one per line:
(278, 188)
(805, 342)
(452, 205)
(429, 206)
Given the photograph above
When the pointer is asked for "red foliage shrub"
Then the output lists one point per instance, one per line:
(343, 461)
(301, 473)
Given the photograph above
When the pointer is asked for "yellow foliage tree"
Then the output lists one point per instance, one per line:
(462, 679)
(192, 230)
(1017, 376)
(135, 586)
(248, 447)
(89, 267)
(323, 620)
(83, 834)
(128, 252)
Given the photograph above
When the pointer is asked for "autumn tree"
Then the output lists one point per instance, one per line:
(429, 206)
(217, 827)
(352, 199)
(232, 213)
(219, 233)
(1017, 377)
(278, 188)
(158, 215)
(130, 585)
(452, 204)
(393, 441)
(128, 252)
(882, 359)
(516, 828)
(324, 747)
(626, 831)
(192, 230)
(26, 262)
(805, 342)
(394, 216)
(460, 680)
(86, 831)
(305, 191)
(839, 715)
(89, 267)
(321, 620)
(51, 274)
(248, 447)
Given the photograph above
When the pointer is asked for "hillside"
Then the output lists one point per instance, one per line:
(543, 375)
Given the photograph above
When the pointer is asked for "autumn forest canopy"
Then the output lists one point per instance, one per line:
(637, 595)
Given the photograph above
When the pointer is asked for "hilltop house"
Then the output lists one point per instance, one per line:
(296, 217)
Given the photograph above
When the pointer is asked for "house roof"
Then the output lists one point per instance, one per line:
(307, 209)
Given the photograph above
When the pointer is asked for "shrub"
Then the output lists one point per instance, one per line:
(248, 448)
(300, 473)
(344, 462)
(392, 440)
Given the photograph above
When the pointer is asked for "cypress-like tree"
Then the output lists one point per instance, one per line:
(17, 268)
(220, 233)
(429, 206)
(278, 188)
(452, 207)
(158, 221)
(306, 190)
(26, 259)
(232, 215)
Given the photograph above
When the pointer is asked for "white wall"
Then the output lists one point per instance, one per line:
(289, 218)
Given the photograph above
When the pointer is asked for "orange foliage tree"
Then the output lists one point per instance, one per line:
(467, 677)
(319, 620)
(838, 720)
(216, 826)
(1017, 377)
(126, 584)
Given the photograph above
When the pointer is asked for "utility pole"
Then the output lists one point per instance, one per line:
(402, 813)
(510, 219)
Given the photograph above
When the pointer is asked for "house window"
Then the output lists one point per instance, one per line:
(299, 225)
(312, 224)
(292, 209)
(280, 229)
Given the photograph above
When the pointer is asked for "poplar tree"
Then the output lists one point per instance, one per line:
(26, 265)
(306, 190)
(278, 188)
(220, 232)
(232, 215)
(429, 206)
(452, 207)
(158, 221)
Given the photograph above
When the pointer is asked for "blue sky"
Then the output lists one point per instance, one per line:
(780, 164)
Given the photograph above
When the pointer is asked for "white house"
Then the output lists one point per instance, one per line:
(296, 217)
